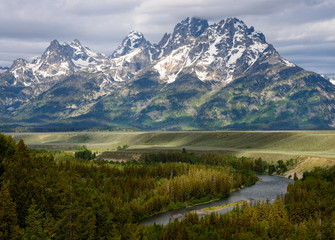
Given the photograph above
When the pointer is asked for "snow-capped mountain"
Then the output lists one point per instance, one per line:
(57, 61)
(216, 53)
(200, 76)
(133, 41)
(133, 54)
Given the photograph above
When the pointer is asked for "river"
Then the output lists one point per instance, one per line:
(268, 188)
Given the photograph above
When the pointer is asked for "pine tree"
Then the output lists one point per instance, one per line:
(9, 228)
(35, 224)
(21, 179)
(278, 220)
(76, 219)
(7, 150)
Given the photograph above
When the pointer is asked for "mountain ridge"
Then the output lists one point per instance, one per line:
(199, 77)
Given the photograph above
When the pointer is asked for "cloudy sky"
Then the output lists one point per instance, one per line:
(303, 31)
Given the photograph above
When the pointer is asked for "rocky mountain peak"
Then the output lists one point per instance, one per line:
(236, 22)
(20, 62)
(190, 27)
(57, 52)
(82, 56)
(236, 25)
(76, 42)
(54, 44)
(57, 61)
(219, 53)
(133, 41)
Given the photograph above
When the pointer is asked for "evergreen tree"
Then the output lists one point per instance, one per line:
(9, 228)
(35, 224)
(278, 220)
(21, 178)
(75, 212)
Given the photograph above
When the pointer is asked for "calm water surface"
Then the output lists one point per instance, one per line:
(268, 188)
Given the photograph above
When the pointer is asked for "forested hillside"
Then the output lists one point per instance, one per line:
(58, 196)
(307, 211)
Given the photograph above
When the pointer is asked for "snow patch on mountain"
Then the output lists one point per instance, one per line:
(287, 63)
(81, 63)
(210, 54)
(255, 50)
(201, 75)
(173, 64)
(235, 54)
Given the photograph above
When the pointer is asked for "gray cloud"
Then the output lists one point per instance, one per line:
(299, 29)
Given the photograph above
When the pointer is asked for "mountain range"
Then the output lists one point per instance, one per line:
(199, 77)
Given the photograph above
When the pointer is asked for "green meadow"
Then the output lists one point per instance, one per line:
(270, 145)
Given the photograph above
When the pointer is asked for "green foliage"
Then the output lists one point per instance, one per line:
(305, 212)
(7, 150)
(9, 228)
(84, 155)
(35, 223)
(70, 199)
(42, 198)
(119, 148)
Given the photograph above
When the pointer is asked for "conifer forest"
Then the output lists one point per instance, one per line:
(55, 195)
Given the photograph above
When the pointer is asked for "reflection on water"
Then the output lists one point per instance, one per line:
(268, 188)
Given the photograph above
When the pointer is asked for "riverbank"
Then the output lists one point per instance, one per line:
(196, 203)
(187, 205)
(217, 208)
(268, 188)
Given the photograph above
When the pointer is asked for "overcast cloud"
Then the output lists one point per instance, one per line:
(303, 31)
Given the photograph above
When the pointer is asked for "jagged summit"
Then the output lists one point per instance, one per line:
(19, 62)
(190, 27)
(134, 40)
(76, 42)
(57, 61)
(54, 44)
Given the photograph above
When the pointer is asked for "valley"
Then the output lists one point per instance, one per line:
(310, 148)
(57, 195)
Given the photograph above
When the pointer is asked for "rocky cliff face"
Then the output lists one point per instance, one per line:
(200, 76)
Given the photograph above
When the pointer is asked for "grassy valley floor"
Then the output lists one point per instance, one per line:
(310, 148)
